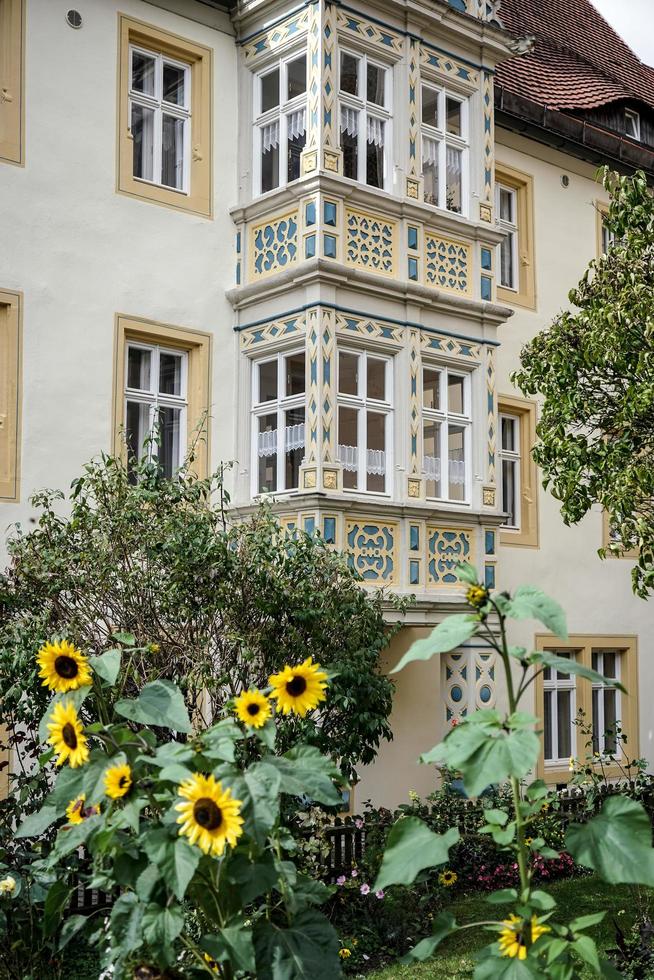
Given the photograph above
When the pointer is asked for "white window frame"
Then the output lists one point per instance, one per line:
(161, 107)
(635, 119)
(446, 418)
(364, 108)
(278, 113)
(512, 456)
(512, 230)
(363, 404)
(607, 236)
(439, 135)
(153, 398)
(599, 667)
(278, 406)
(554, 684)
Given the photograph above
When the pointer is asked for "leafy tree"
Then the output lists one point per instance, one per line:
(594, 368)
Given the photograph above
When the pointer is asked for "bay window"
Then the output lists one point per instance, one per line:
(364, 420)
(507, 210)
(510, 488)
(156, 403)
(444, 129)
(558, 713)
(280, 126)
(446, 432)
(365, 102)
(160, 118)
(278, 417)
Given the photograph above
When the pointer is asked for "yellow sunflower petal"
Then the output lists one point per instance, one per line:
(63, 667)
(67, 735)
(117, 781)
(299, 689)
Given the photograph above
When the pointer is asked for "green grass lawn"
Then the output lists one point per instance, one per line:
(577, 896)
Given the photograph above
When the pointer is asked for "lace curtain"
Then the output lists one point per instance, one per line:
(456, 470)
(293, 439)
(375, 460)
(270, 136)
(375, 131)
(296, 124)
(349, 121)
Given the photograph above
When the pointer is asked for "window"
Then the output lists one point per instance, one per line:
(632, 124)
(517, 472)
(605, 237)
(561, 698)
(364, 420)
(10, 394)
(514, 212)
(12, 82)
(507, 212)
(444, 148)
(365, 119)
(164, 118)
(510, 469)
(280, 127)
(162, 386)
(278, 410)
(447, 431)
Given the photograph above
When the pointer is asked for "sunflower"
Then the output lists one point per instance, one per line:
(211, 817)
(477, 595)
(211, 963)
(66, 735)
(448, 878)
(63, 667)
(117, 781)
(512, 938)
(77, 812)
(299, 689)
(252, 708)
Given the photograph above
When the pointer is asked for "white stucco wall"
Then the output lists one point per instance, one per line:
(80, 252)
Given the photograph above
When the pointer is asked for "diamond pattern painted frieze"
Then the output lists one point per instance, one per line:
(274, 245)
(370, 242)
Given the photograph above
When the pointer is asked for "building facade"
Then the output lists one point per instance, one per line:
(312, 238)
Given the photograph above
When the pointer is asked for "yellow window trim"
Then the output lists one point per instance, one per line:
(12, 81)
(523, 184)
(198, 346)
(601, 211)
(527, 536)
(583, 644)
(11, 309)
(200, 58)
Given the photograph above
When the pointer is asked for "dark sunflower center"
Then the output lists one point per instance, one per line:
(69, 735)
(253, 709)
(66, 667)
(207, 814)
(296, 686)
(122, 782)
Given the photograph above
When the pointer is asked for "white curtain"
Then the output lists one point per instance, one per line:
(453, 165)
(349, 457)
(429, 152)
(267, 443)
(294, 436)
(432, 467)
(457, 471)
(296, 124)
(375, 459)
(270, 136)
(349, 121)
(375, 131)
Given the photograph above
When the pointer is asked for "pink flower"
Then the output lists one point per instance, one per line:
(364, 889)
(380, 893)
(358, 823)
(340, 880)
(355, 873)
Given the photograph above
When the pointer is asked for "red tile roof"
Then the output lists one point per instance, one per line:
(578, 61)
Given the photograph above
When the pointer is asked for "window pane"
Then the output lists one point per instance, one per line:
(455, 394)
(453, 116)
(169, 448)
(376, 381)
(375, 85)
(143, 68)
(610, 663)
(431, 448)
(597, 721)
(296, 75)
(429, 106)
(269, 157)
(430, 150)
(547, 724)
(173, 84)
(348, 442)
(376, 452)
(138, 368)
(267, 453)
(561, 675)
(170, 374)
(564, 723)
(610, 718)
(595, 660)
(453, 192)
(172, 157)
(349, 142)
(506, 205)
(456, 462)
(509, 441)
(348, 373)
(349, 74)
(294, 447)
(297, 137)
(507, 271)
(375, 151)
(295, 374)
(509, 491)
(143, 140)
(431, 388)
(270, 90)
(137, 426)
(268, 381)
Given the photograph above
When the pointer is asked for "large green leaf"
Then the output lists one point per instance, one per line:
(530, 603)
(37, 823)
(107, 666)
(506, 968)
(486, 749)
(448, 635)
(307, 772)
(263, 783)
(126, 918)
(71, 927)
(305, 950)
(175, 858)
(443, 925)
(570, 666)
(160, 703)
(55, 902)
(162, 926)
(233, 943)
(412, 847)
(219, 741)
(617, 843)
